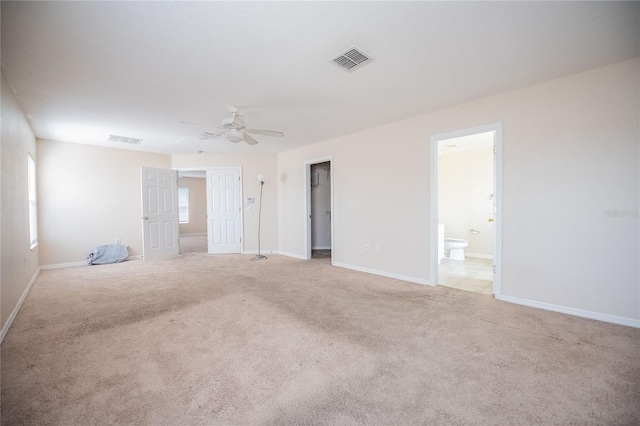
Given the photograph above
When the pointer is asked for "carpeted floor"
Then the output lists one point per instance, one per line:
(200, 339)
(193, 244)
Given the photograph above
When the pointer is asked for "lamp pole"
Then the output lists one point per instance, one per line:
(261, 179)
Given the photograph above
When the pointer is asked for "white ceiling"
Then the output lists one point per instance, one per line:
(466, 143)
(83, 70)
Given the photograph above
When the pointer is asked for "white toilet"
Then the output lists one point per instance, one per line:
(454, 248)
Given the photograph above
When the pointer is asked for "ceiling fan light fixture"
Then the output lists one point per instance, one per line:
(234, 136)
(235, 130)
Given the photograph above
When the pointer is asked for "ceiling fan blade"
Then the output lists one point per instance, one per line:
(207, 135)
(264, 132)
(248, 139)
(237, 122)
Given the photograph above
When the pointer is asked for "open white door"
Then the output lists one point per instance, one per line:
(160, 229)
(224, 210)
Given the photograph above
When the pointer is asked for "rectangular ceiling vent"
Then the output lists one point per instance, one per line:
(206, 135)
(124, 139)
(352, 59)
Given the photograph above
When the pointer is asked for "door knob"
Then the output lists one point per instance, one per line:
(146, 218)
(490, 219)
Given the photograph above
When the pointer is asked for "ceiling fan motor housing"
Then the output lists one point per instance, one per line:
(234, 136)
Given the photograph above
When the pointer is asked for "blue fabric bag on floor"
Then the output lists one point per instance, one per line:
(110, 253)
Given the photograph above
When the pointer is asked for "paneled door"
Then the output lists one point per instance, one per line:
(224, 210)
(160, 229)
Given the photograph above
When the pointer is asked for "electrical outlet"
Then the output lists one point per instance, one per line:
(378, 248)
(117, 240)
(366, 247)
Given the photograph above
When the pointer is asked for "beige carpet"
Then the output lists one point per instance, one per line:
(203, 339)
(193, 244)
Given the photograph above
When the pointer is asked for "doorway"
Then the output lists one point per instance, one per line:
(465, 220)
(192, 206)
(319, 211)
(209, 202)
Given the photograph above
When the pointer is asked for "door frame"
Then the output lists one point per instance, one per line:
(497, 192)
(307, 209)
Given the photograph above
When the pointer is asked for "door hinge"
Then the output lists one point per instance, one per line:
(494, 269)
(495, 149)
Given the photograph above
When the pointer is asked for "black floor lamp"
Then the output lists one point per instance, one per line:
(262, 179)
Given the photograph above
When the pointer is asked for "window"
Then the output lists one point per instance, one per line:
(183, 205)
(33, 219)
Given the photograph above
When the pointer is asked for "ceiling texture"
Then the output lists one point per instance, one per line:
(84, 70)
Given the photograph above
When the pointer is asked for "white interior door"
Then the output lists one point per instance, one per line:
(224, 211)
(160, 227)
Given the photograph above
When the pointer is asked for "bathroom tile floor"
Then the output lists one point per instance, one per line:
(471, 274)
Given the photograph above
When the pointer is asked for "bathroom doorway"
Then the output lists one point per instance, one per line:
(319, 190)
(465, 210)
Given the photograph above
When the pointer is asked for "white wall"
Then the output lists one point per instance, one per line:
(19, 263)
(197, 205)
(321, 207)
(89, 196)
(570, 152)
(252, 165)
(465, 181)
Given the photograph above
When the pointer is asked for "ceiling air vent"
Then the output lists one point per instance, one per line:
(206, 135)
(352, 59)
(124, 139)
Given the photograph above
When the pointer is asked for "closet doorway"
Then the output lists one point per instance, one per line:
(319, 212)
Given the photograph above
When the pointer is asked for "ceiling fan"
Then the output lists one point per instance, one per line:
(236, 131)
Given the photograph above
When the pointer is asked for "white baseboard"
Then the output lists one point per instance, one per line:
(7, 325)
(478, 255)
(262, 252)
(384, 274)
(321, 248)
(80, 263)
(297, 256)
(631, 322)
(197, 234)
(63, 265)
